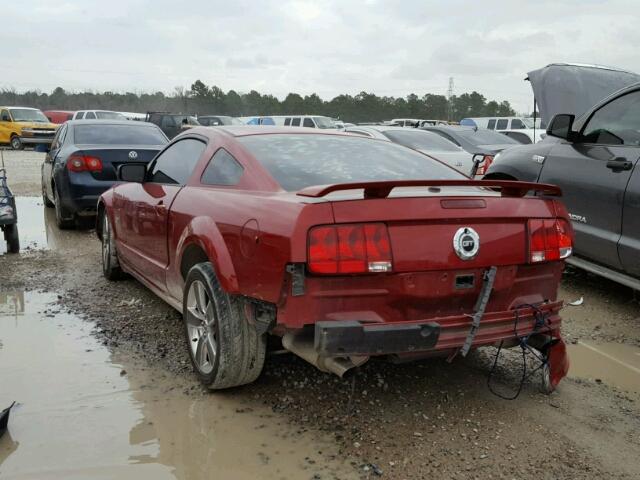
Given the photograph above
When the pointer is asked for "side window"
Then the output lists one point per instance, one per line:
(287, 122)
(79, 115)
(516, 124)
(175, 164)
(90, 115)
(359, 132)
(295, 122)
(4, 116)
(492, 124)
(58, 140)
(502, 124)
(308, 123)
(223, 169)
(616, 123)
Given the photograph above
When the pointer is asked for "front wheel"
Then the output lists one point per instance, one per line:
(16, 143)
(110, 264)
(224, 346)
(12, 238)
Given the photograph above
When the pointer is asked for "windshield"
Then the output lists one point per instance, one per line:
(485, 137)
(299, 161)
(324, 122)
(118, 135)
(421, 140)
(27, 115)
(110, 116)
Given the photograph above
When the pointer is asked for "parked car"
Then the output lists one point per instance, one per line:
(475, 141)
(345, 247)
(97, 115)
(527, 128)
(426, 142)
(172, 123)
(594, 160)
(217, 120)
(20, 126)
(83, 160)
(58, 116)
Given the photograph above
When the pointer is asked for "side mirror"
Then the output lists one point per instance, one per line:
(561, 126)
(132, 172)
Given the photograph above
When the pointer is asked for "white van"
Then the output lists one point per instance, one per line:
(98, 114)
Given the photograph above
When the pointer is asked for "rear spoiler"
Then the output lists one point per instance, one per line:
(508, 188)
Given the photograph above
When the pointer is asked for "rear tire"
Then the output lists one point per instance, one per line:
(110, 263)
(225, 348)
(45, 199)
(16, 143)
(12, 238)
(64, 219)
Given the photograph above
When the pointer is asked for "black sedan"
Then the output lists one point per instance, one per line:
(84, 157)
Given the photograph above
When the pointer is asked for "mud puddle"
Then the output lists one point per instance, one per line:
(38, 230)
(612, 363)
(84, 413)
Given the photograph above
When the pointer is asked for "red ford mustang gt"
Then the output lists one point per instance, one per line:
(345, 247)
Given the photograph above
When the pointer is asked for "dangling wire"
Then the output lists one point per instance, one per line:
(541, 321)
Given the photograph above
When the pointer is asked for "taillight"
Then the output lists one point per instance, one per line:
(84, 163)
(484, 166)
(549, 240)
(353, 248)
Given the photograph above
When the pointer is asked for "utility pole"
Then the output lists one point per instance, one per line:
(450, 100)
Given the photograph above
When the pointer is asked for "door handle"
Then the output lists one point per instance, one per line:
(619, 164)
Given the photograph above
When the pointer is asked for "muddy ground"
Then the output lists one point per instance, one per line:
(423, 420)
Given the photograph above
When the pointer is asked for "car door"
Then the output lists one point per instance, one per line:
(49, 159)
(141, 209)
(594, 172)
(629, 245)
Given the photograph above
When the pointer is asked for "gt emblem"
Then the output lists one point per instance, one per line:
(466, 243)
(133, 155)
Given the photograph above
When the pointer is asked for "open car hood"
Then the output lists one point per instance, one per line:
(574, 88)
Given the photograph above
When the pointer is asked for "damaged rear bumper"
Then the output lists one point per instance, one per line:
(435, 336)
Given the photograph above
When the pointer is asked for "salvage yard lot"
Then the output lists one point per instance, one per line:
(397, 421)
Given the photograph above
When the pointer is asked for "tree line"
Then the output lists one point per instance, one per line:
(201, 99)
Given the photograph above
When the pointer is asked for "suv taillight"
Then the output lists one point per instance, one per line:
(549, 240)
(486, 163)
(353, 248)
(84, 163)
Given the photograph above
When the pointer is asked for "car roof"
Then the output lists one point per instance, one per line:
(110, 122)
(451, 128)
(244, 130)
(22, 108)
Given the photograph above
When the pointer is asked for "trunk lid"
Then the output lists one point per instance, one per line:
(114, 156)
(426, 231)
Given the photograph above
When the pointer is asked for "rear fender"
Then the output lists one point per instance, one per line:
(203, 232)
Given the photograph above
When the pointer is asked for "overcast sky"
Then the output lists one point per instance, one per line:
(388, 47)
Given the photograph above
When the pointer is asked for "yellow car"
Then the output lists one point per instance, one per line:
(20, 126)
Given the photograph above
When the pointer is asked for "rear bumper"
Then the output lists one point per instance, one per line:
(437, 336)
(80, 192)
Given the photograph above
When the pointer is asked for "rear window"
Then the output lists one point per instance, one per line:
(299, 161)
(118, 135)
(421, 140)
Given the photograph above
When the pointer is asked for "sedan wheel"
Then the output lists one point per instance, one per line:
(201, 328)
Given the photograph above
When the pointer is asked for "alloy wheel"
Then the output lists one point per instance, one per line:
(201, 327)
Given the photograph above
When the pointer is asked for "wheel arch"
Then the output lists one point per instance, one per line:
(202, 241)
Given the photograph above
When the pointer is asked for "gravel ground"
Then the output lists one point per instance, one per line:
(405, 421)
